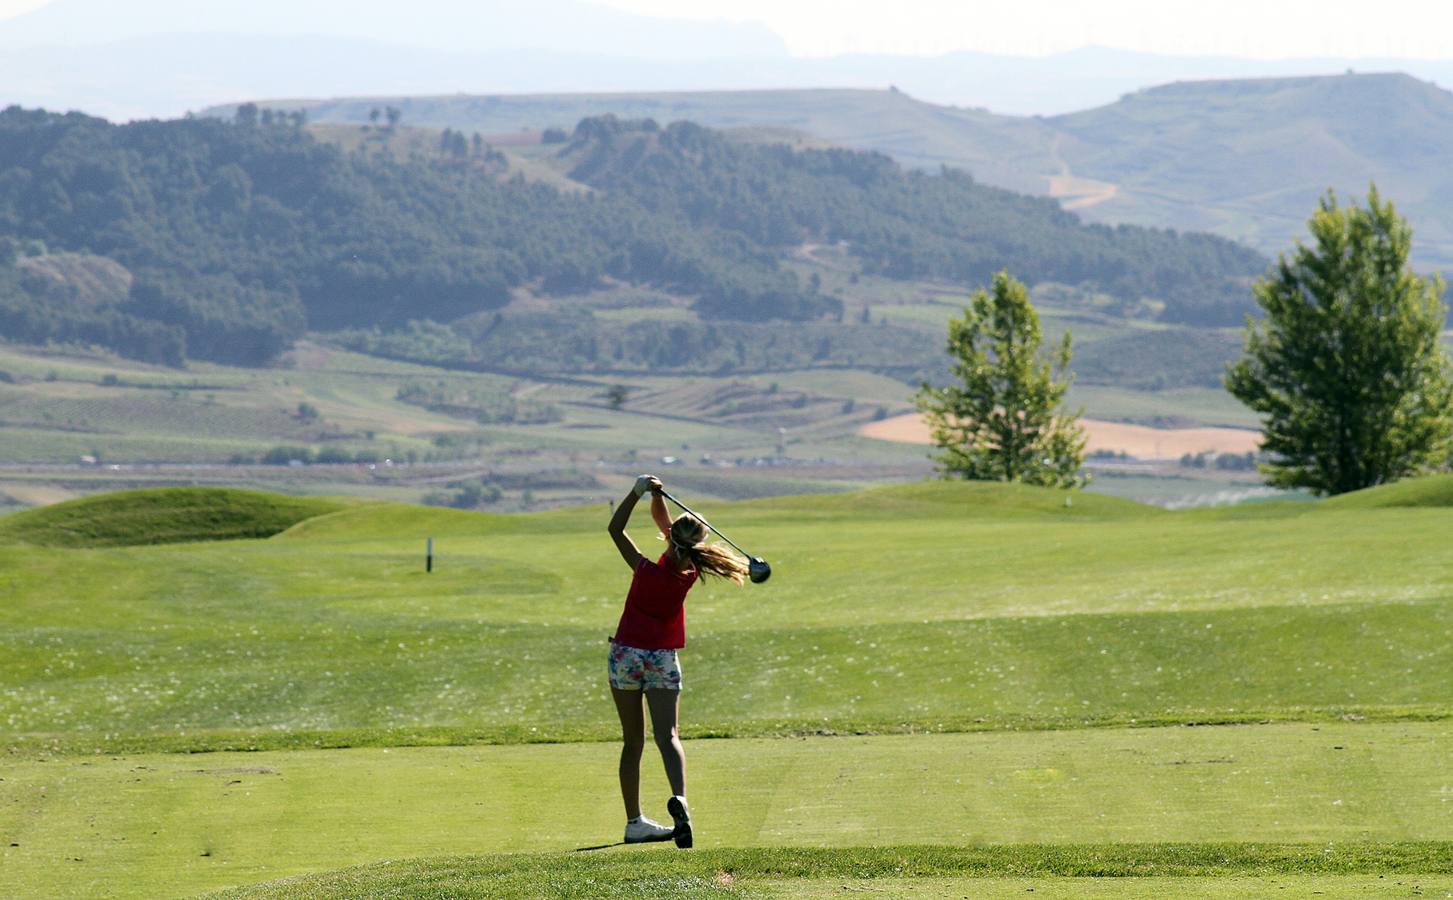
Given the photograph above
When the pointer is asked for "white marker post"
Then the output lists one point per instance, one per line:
(429, 556)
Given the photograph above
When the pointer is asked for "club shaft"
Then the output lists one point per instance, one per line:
(689, 511)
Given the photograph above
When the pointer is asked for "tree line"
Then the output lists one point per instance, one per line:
(242, 235)
(908, 224)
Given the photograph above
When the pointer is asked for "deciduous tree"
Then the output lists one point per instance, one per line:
(1004, 417)
(1345, 369)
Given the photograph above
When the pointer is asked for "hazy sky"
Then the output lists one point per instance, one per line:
(1259, 28)
(15, 7)
(1256, 28)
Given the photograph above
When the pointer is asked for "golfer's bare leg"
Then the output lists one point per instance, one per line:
(633, 737)
(664, 705)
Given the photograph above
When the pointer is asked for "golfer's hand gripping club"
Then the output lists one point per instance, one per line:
(647, 483)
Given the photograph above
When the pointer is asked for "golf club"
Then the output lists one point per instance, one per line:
(757, 569)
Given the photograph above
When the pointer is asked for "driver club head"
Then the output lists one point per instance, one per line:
(758, 570)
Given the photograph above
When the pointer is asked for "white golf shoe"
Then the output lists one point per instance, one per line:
(643, 831)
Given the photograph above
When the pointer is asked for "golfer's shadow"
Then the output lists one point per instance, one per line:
(660, 840)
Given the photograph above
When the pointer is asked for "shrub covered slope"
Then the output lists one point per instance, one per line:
(241, 235)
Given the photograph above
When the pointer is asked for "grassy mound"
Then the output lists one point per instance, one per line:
(734, 872)
(1431, 491)
(384, 521)
(161, 516)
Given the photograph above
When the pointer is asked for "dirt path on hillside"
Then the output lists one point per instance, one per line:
(1075, 192)
(1139, 441)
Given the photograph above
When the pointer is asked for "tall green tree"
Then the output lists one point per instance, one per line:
(1004, 419)
(1345, 369)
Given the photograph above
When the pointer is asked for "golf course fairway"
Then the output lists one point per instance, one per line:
(945, 690)
(190, 822)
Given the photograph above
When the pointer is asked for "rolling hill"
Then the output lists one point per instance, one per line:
(1000, 150)
(1246, 159)
(238, 237)
(161, 516)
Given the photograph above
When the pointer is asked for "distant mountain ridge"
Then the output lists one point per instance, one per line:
(1000, 150)
(161, 58)
(1245, 159)
(1248, 159)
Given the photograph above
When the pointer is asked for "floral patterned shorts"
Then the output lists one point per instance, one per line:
(634, 669)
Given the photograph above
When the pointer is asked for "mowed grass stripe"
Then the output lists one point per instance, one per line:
(176, 824)
(908, 561)
(304, 678)
(887, 562)
(782, 871)
(922, 606)
(1233, 887)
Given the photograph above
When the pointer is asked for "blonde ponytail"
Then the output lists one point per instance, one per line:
(688, 536)
(714, 559)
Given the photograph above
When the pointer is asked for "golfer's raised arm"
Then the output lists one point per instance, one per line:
(658, 511)
(617, 528)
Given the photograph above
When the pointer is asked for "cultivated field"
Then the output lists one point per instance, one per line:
(945, 690)
(542, 439)
(1138, 441)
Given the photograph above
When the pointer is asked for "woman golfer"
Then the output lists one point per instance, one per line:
(643, 651)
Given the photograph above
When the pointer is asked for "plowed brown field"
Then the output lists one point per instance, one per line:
(1139, 441)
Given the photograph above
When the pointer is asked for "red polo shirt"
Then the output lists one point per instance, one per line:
(655, 613)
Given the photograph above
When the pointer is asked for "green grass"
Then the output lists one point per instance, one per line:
(1416, 493)
(1295, 799)
(997, 668)
(998, 604)
(913, 869)
(162, 516)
